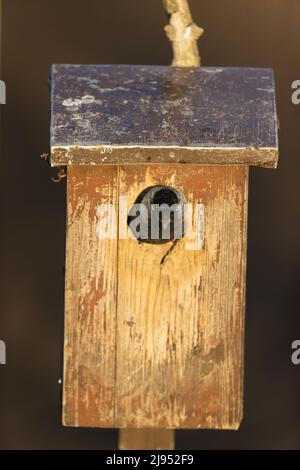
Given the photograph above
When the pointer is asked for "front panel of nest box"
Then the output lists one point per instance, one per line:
(154, 331)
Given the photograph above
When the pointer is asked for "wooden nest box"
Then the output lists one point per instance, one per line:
(154, 326)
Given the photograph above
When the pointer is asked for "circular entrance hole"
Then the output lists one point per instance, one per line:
(157, 215)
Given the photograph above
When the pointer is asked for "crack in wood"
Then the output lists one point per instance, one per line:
(169, 252)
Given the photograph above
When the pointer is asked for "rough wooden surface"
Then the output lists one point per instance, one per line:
(90, 302)
(150, 114)
(179, 324)
(183, 34)
(146, 439)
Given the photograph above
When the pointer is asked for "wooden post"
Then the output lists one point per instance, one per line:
(146, 439)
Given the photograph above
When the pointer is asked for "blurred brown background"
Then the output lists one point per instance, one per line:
(37, 33)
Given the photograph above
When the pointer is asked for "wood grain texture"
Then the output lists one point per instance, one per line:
(146, 439)
(155, 114)
(90, 302)
(180, 324)
(154, 341)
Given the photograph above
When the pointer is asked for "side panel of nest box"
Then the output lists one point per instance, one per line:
(154, 333)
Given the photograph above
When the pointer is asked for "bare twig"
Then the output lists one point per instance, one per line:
(183, 34)
(62, 173)
(45, 156)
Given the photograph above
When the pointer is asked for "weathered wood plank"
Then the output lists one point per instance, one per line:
(154, 341)
(155, 114)
(180, 324)
(90, 301)
(146, 439)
